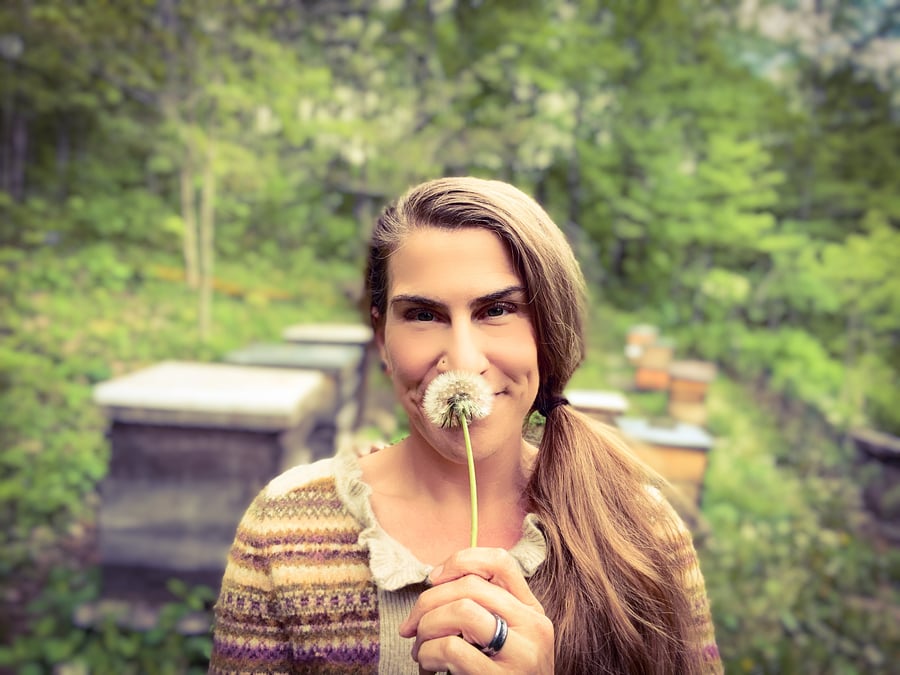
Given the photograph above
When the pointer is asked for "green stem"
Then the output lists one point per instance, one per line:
(473, 490)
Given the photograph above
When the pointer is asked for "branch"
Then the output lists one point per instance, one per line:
(887, 25)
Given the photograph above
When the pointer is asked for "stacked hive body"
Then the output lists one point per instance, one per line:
(677, 445)
(341, 364)
(879, 455)
(688, 385)
(652, 372)
(678, 451)
(343, 350)
(192, 444)
(604, 406)
(639, 337)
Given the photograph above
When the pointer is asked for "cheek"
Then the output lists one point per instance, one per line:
(519, 350)
(408, 358)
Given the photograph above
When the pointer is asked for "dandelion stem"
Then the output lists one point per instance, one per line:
(473, 489)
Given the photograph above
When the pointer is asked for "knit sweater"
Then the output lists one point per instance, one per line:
(313, 584)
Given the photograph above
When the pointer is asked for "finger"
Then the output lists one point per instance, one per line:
(462, 618)
(492, 564)
(492, 598)
(452, 654)
(454, 614)
(471, 588)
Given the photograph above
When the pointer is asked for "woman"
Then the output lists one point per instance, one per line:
(363, 565)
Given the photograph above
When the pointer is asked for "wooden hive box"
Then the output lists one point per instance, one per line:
(688, 385)
(652, 373)
(639, 336)
(604, 406)
(678, 451)
(341, 363)
(879, 453)
(353, 337)
(192, 444)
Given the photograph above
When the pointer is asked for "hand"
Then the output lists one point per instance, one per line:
(457, 613)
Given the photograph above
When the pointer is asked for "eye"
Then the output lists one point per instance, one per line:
(420, 315)
(499, 309)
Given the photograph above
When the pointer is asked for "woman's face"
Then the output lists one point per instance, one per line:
(455, 302)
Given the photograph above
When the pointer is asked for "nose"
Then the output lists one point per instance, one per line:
(463, 351)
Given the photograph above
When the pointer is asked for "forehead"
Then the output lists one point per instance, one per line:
(437, 263)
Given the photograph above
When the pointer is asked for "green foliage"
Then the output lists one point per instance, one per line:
(794, 585)
(735, 190)
(107, 644)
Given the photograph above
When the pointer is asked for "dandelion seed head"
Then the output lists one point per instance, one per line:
(456, 393)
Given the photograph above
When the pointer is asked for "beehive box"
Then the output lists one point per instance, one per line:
(678, 451)
(604, 406)
(688, 386)
(652, 372)
(636, 341)
(341, 363)
(192, 444)
(352, 338)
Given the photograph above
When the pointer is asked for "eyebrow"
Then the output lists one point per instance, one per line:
(495, 296)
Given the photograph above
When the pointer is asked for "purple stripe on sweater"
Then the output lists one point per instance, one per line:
(314, 503)
(299, 537)
(354, 653)
(263, 560)
(309, 537)
(241, 650)
(337, 623)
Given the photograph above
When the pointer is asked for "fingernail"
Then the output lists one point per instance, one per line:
(435, 574)
(404, 629)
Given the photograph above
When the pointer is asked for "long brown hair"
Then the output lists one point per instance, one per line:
(612, 582)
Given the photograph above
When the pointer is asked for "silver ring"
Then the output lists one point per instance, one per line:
(500, 634)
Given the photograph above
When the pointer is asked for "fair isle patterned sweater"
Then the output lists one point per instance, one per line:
(314, 585)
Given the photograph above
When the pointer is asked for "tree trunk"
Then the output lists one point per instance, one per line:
(189, 218)
(15, 153)
(6, 136)
(852, 392)
(63, 154)
(207, 237)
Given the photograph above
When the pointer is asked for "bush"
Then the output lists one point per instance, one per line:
(795, 584)
(56, 644)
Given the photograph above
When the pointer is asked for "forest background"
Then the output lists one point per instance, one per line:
(178, 178)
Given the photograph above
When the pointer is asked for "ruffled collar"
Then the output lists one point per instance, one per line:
(393, 565)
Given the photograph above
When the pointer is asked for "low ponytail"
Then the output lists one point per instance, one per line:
(609, 583)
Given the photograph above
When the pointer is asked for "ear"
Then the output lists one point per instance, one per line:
(378, 334)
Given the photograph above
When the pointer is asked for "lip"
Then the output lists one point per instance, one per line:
(421, 393)
(420, 406)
